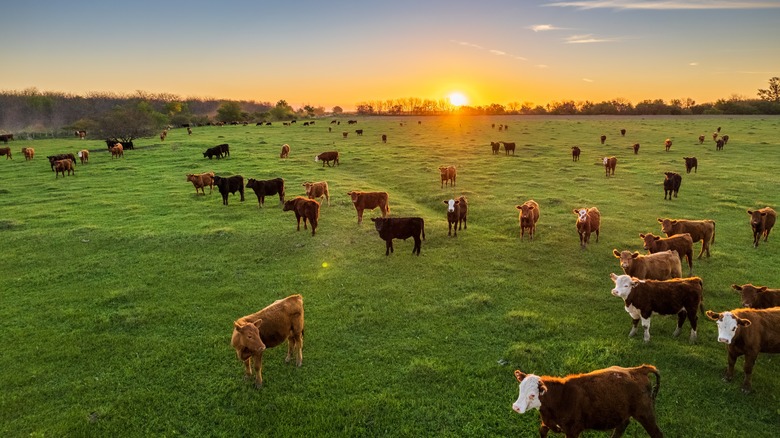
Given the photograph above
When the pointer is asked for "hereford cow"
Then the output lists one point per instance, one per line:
(201, 180)
(762, 222)
(588, 221)
(369, 201)
(528, 216)
(230, 184)
(7, 152)
(276, 323)
(691, 163)
(83, 156)
(747, 332)
(757, 297)
(265, 188)
(601, 400)
(508, 147)
(327, 157)
(642, 298)
(672, 182)
(659, 266)
(308, 209)
(457, 213)
(285, 151)
(719, 144)
(575, 153)
(117, 151)
(390, 228)
(701, 139)
(495, 146)
(603, 139)
(448, 175)
(609, 165)
(636, 148)
(29, 153)
(703, 230)
(62, 166)
(681, 243)
(668, 144)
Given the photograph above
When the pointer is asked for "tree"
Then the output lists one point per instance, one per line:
(282, 111)
(337, 110)
(131, 121)
(229, 112)
(771, 94)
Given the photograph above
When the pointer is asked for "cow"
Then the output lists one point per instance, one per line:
(265, 188)
(5, 137)
(602, 400)
(317, 190)
(703, 230)
(54, 158)
(83, 156)
(757, 297)
(528, 216)
(62, 166)
(285, 151)
(457, 213)
(126, 145)
(230, 184)
(215, 151)
(327, 157)
(714, 135)
(603, 138)
(575, 153)
(344, 134)
(662, 265)
(201, 180)
(189, 130)
(495, 146)
(691, 163)
(369, 201)
(81, 134)
(508, 146)
(642, 298)
(588, 221)
(117, 151)
(762, 222)
(29, 153)
(308, 209)
(359, 131)
(609, 165)
(747, 332)
(719, 144)
(636, 148)
(448, 175)
(390, 228)
(681, 243)
(725, 139)
(622, 132)
(7, 152)
(701, 139)
(271, 326)
(384, 138)
(351, 122)
(163, 134)
(668, 144)
(672, 182)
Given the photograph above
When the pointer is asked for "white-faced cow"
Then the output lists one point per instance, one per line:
(457, 213)
(588, 221)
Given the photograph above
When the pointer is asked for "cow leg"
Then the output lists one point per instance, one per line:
(304, 222)
(597, 236)
(298, 220)
(618, 432)
(418, 244)
(465, 223)
(648, 421)
(681, 315)
(449, 228)
(257, 361)
(693, 318)
(543, 430)
(634, 324)
(750, 360)
(766, 235)
(388, 246)
(646, 326)
(360, 216)
(313, 223)
(732, 360)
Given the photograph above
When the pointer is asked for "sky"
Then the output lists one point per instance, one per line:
(342, 52)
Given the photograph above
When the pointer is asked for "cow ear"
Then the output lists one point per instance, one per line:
(656, 237)
(641, 236)
(531, 207)
(616, 253)
(575, 211)
(542, 387)
(457, 202)
(613, 276)
(446, 202)
(736, 287)
(519, 207)
(236, 325)
(519, 375)
(660, 221)
(712, 315)
(743, 322)
(762, 288)
(634, 255)
(258, 322)
(750, 211)
(763, 214)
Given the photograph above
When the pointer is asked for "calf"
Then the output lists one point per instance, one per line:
(659, 266)
(230, 184)
(276, 323)
(636, 148)
(29, 153)
(359, 131)
(317, 190)
(642, 298)
(672, 182)
(54, 158)
(588, 221)
(308, 209)
(622, 132)
(83, 156)
(117, 151)
(725, 139)
(327, 157)
(495, 146)
(508, 147)
(528, 216)
(384, 138)
(719, 144)
(224, 149)
(390, 228)
(703, 230)
(757, 297)
(448, 175)
(575, 153)
(668, 144)
(603, 139)
(762, 222)
(7, 152)
(265, 188)
(691, 163)
(681, 243)
(457, 213)
(215, 151)
(747, 332)
(369, 201)
(701, 139)
(201, 180)
(601, 400)
(285, 151)
(609, 165)
(62, 166)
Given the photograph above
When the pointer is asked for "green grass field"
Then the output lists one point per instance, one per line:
(120, 285)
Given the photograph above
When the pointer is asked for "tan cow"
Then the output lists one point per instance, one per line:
(668, 144)
(369, 201)
(316, 190)
(448, 175)
(63, 166)
(703, 230)
(285, 151)
(659, 266)
(84, 156)
(588, 221)
(29, 153)
(528, 216)
(682, 243)
(201, 180)
(117, 151)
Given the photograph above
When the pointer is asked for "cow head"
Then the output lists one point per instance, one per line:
(748, 293)
(531, 389)
(317, 158)
(525, 210)
(649, 240)
(582, 214)
(667, 225)
(249, 338)
(727, 325)
(379, 223)
(354, 195)
(756, 218)
(451, 205)
(623, 285)
(626, 257)
(289, 205)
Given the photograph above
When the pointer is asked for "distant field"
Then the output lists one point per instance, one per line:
(120, 285)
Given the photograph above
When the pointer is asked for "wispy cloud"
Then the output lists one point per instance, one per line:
(467, 44)
(665, 5)
(519, 57)
(497, 52)
(491, 51)
(586, 39)
(693, 64)
(543, 27)
(587, 80)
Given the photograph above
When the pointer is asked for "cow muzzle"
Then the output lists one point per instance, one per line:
(724, 340)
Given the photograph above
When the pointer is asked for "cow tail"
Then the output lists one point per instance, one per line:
(653, 370)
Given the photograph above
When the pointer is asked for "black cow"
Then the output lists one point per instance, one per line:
(110, 142)
(5, 137)
(224, 149)
(265, 188)
(55, 158)
(390, 228)
(672, 182)
(216, 151)
(231, 184)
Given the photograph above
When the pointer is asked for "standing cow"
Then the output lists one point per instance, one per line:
(390, 228)
(762, 222)
(457, 213)
(305, 208)
(588, 221)
(609, 165)
(528, 216)
(229, 185)
(672, 182)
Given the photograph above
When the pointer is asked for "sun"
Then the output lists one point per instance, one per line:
(458, 99)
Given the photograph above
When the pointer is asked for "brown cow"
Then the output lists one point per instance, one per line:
(703, 230)
(7, 152)
(62, 166)
(757, 297)
(29, 153)
(762, 222)
(369, 201)
(83, 156)
(285, 151)
(588, 221)
(659, 266)
(384, 138)
(390, 228)
(691, 163)
(603, 139)
(609, 165)
(508, 146)
(747, 332)
(672, 183)
(622, 132)
(327, 157)
(725, 139)
(528, 216)
(636, 148)
(201, 180)
(719, 144)
(276, 323)
(317, 190)
(495, 146)
(714, 135)
(668, 144)
(117, 151)
(163, 134)
(575, 153)
(308, 209)
(457, 213)
(682, 243)
(601, 400)
(701, 139)
(448, 175)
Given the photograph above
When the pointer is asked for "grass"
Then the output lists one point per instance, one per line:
(120, 285)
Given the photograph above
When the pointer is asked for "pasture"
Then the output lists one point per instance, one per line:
(120, 285)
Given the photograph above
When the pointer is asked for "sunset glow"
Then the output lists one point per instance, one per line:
(458, 99)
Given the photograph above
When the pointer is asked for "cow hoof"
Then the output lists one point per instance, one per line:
(746, 390)
(259, 385)
(676, 332)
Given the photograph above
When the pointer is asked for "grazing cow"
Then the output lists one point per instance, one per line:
(224, 149)
(230, 184)
(215, 151)
(359, 131)
(703, 230)
(62, 166)
(575, 153)
(83, 156)
(369, 201)
(276, 323)
(457, 213)
(384, 138)
(725, 139)
(642, 298)
(602, 400)
(757, 297)
(719, 144)
(351, 122)
(5, 137)
(308, 209)
(762, 222)
(327, 157)
(588, 221)
(691, 163)
(333, 122)
(622, 132)
(117, 151)
(681, 243)
(747, 332)
(317, 190)
(636, 148)
(495, 146)
(53, 158)
(390, 228)
(448, 175)
(603, 138)
(672, 182)
(528, 216)
(265, 188)
(662, 265)
(609, 165)
(701, 139)
(201, 180)
(344, 134)
(668, 144)
(29, 153)
(508, 147)
(285, 151)
(7, 152)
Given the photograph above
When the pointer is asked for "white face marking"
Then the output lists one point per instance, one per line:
(451, 205)
(583, 214)
(529, 395)
(605, 160)
(623, 286)
(727, 327)
(317, 158)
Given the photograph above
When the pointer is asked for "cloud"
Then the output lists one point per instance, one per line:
(586, 39)
(587, 80)
(665, 4)
(519, 57)
(467, 44)
(492, 51)
(497, 52)
(693, 64)
(543, 27)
